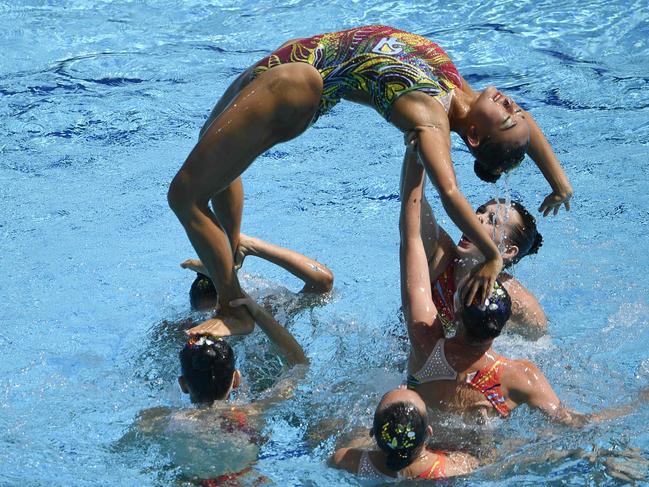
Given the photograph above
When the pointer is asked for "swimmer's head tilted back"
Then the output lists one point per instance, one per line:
(515, 232)
(208, 369)
(497, 134)
(400, 427)
(482, 323)
(202, 294)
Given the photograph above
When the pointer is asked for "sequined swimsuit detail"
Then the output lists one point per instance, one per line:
(486, 380)
(443, 291)
(435, 368)
(437, 470)
(380, 61)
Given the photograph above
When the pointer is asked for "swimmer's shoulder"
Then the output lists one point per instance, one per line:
(346, 459)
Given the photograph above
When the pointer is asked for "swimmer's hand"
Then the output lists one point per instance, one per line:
(245, 247)
(481, 281)
(553, 201)
(249, 303)
(194, 265)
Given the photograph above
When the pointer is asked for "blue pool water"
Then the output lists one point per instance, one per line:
(100, 103)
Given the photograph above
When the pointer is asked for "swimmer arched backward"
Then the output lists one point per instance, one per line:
(406, 78)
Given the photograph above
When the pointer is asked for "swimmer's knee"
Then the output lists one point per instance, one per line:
(179, 195)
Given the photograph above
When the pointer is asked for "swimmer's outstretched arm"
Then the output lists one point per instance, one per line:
(546, 160)
(420, 115)
(280, 336)
(416, 296)
(317, 277)
(529, 386)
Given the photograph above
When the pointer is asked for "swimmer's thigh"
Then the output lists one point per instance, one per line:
(275, 107)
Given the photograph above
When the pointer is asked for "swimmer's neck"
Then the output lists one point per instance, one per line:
(458, 112)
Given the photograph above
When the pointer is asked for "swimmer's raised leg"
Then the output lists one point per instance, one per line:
(275, 107)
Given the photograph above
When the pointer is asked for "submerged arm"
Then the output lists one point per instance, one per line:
(280, 336)
(534, 389)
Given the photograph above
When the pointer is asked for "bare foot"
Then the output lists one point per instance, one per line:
(223, 326)
(194, 265)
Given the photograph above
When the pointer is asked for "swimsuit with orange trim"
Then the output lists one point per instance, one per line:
(381, 61)
(437, 470)
(487, 382)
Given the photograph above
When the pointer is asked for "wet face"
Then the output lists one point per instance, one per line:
(499, 222)
(498, 117)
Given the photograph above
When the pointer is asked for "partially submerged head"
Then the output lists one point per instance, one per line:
(511, 227)
(202, 294)
(482, 322)
(401, 427)
(208, 369)
(497, 134)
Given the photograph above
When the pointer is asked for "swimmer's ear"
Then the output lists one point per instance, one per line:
(472, 137)
(236, 379)
(183, 384)
(510, 252)
(429, 432)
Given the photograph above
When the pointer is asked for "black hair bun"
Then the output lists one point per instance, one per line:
(483, 174)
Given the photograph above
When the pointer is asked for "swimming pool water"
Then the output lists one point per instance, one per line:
(101, 102)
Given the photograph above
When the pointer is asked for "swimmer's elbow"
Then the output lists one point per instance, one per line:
(325, 282)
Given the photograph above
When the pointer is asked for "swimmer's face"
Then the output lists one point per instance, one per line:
(497, 118)
(499, 223)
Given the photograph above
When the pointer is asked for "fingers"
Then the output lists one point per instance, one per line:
(473, 288)
(567, 205)
(199, 330)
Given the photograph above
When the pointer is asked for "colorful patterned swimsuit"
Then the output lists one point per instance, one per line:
(443, 292)
(381, 61)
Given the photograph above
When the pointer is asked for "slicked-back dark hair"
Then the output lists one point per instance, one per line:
(400, 432)
(208, 365)
(485, 322)
(491, 155)
(202, 294)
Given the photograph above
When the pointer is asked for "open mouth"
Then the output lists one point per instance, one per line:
(464, 242)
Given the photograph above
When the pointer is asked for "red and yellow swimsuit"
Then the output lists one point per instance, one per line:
(378, 60)
(443, 292)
